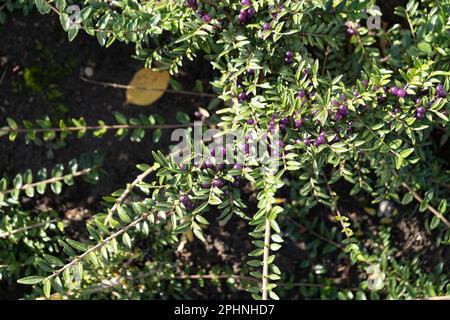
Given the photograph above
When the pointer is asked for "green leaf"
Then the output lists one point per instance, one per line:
(199, 234)
(201, 219)
(126, 240)
(31, 280)
(47, 287)
(72, 33)
(434, 223)
(425, 47)
(77, 245)
(53, 260)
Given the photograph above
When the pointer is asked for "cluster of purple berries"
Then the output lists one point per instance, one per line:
(194, 6)
(289, 57)
(267, 25)
(352, 28)
(399, 92)
(185, 201)
(247, 12)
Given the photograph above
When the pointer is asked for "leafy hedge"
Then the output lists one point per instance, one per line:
(349, 104)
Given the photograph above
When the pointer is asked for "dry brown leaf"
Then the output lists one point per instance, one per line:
(147, 86)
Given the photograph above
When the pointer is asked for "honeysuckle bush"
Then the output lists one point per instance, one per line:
(351, 105)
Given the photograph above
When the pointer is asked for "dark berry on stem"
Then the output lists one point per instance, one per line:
(218, 183)
(206, 18)
(320, 141)
(401, 93)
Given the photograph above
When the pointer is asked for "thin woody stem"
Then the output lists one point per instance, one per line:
(51, 180)
(128, 190)
(99, 245)
(33, 226)
(430, 208)
(126, 87)
(265, 275)
(105, 127)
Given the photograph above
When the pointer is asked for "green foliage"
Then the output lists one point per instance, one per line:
(379, 144)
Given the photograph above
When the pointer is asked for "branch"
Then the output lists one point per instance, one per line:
(99, 245)
(265, 275)
(122, 86)
(105, 127)
(430, 208)
(51, 180)
(128, 190)
(5, 235)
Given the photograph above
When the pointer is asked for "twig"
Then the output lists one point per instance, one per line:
(410, 24)
(51, 180)
(430, 208)
(122, 86)
(128, 190)
(317, 234)
(265, 275)
(2, 77)
(33, 226)
(98, 246)
(92, 128)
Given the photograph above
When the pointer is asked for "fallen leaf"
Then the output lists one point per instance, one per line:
(147, 86)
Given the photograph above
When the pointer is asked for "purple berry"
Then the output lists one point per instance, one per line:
(401, 93)
(237, 166)
(266, 26)
(243, 16)
(218, 183)
(343, 110)
(206, 18)
(251, 12)
(223, 151)
(420, 116)
(245, 2)
(184, 199)
(421, 110)
(298, 123)
(337, 116)
(320, 141)
(289, 54)
(418, 101)
(440, 91)
(307, 142)
(208, 164)
(250, 121)
(394, 91)
(206, 185)
(301, 94)
(242, 96)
